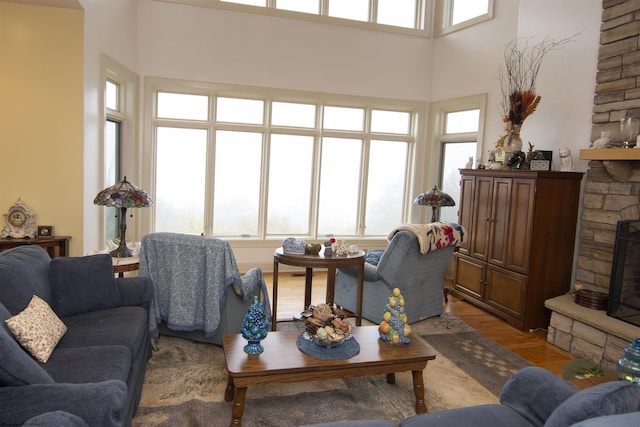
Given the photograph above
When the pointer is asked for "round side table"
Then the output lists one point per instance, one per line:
(331, 263)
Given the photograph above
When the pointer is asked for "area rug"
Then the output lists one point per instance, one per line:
(185, 383)
(481, 358)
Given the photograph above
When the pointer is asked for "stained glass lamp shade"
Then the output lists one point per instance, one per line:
(123, 195)
(434, 198)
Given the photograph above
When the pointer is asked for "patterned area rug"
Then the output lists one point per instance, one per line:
(484, 360)
(185, 383)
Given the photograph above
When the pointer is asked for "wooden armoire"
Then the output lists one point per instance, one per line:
(518, 252)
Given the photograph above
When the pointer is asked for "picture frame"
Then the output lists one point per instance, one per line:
(539, 165)
(45, 230)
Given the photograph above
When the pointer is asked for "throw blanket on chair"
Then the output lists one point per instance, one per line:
(433, 236)
(191, 277)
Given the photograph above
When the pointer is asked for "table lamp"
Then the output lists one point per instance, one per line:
(434, 198)
(123, 195)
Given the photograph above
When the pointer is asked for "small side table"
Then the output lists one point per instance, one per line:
(122, 265)
(331, 263)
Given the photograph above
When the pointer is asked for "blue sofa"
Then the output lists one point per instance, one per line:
(535, 397)
(96, 370)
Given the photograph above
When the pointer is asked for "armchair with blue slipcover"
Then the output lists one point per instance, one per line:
(199, 293)
(414, 261)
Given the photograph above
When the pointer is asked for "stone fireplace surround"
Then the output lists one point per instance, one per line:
(587, 333)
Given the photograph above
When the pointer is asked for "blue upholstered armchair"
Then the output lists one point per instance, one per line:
(199, 293)
(414, 261)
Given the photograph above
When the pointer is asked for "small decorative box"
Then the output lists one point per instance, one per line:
(291, 245)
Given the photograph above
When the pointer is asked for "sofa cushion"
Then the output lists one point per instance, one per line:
(619, 420)
(37, 329)
(55, 418)
(615, 397)
(488, 415)
(24, 272)
(125, 326)
(89, 364)
(535, 392)
(16, 366)
(82, 284)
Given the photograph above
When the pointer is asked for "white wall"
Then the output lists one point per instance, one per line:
(192, 43)
(467, 62)
(230, 47)
(110, 29)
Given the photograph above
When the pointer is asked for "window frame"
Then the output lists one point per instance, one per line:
(438, 137)
(153, 85)
(443, 14)
(126, 117)
(422, 28)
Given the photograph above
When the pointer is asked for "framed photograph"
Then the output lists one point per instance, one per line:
(45, 230)
(540, 165)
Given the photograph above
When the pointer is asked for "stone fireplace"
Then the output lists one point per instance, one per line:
(612, 193)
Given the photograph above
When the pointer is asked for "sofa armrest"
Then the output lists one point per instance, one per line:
(535, 393)
(98, 404)
(135, 290)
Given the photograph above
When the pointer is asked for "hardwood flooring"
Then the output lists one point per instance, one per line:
(532, 346)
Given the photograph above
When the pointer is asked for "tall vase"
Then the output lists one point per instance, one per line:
(512, 141)
(255, 327)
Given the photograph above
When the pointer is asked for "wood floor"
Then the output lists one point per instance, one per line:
(531, 346)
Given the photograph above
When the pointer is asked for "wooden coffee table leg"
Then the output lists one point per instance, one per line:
(238, 406)
(230, 391)
(418, 390)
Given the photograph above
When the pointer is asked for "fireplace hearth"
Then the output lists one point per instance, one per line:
(624, 290)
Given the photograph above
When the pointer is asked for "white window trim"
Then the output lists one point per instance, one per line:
(437, 135)
(127, 115)
(154, 84)
(443, 14)
(424, 16)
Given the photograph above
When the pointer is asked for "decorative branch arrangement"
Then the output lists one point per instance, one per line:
(519, 75)
(517, 79)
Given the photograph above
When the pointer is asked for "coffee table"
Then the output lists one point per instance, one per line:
(282, 362)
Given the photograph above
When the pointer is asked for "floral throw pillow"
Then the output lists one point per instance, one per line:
(37, 329)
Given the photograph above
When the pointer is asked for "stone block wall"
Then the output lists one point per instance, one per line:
(617, 95)
(586, 333)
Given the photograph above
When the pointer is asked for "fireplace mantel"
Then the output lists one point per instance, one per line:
(610, 154)
(621, 163)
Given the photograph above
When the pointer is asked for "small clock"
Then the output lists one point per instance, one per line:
(20, 222)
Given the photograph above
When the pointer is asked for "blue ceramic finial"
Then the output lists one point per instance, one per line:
(255, 327)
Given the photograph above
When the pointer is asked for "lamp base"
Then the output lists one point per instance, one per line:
(121, 251)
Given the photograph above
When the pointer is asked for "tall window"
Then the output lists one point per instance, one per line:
(112, 149)
(457, 137)
(280, 165)
(119, 86)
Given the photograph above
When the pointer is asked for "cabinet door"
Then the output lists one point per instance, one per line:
(470, 276)
(499, 221)
(481, 217)
(521, 224)
(506, 291)
(465, 211)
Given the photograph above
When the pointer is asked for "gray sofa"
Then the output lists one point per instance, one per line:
(535, 397)
(96, 370)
